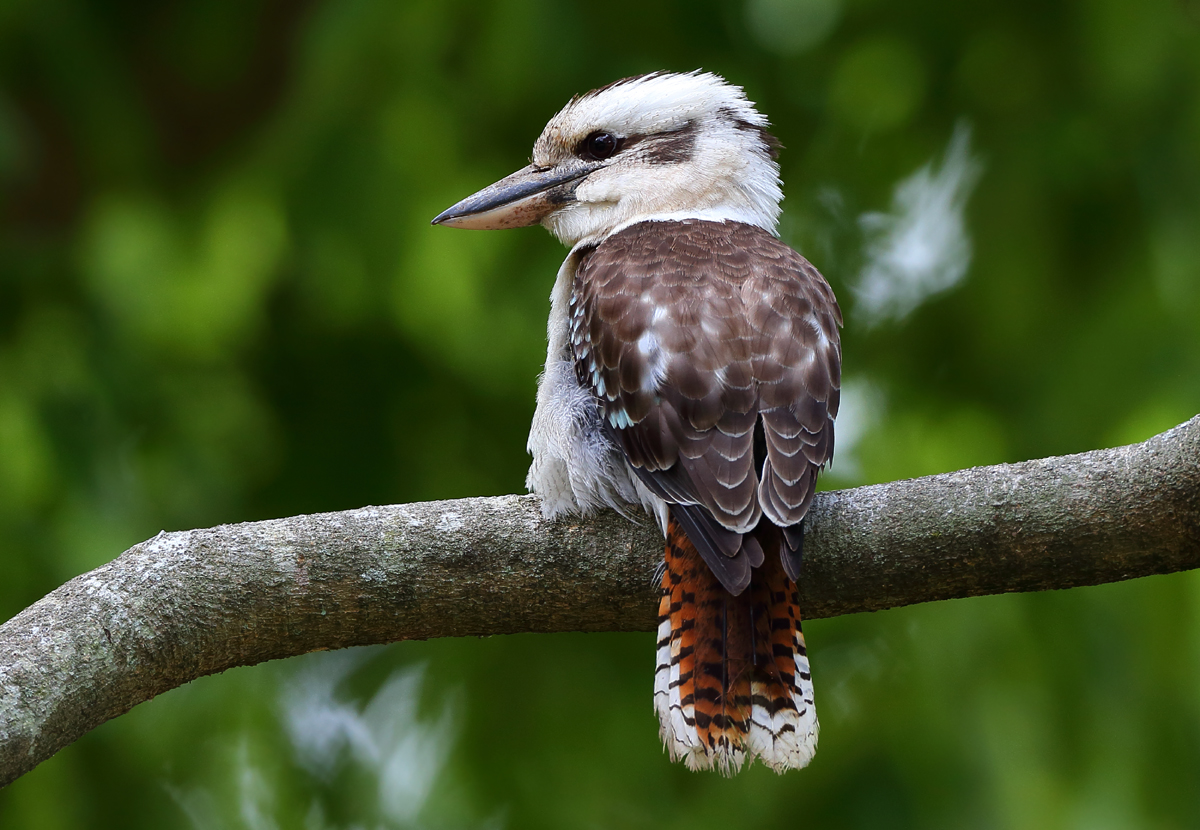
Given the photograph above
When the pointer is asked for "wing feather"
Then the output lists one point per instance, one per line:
(690, 334)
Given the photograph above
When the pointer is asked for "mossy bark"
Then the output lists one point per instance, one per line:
(191, 603)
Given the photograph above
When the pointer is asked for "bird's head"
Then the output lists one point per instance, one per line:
(658, 146)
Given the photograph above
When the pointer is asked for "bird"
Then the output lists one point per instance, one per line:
(693, 370)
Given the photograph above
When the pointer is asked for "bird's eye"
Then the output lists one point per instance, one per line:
(599, 146)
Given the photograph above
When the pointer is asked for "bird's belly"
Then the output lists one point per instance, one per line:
(576, 468)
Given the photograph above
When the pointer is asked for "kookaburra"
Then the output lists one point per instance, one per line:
(693, 368)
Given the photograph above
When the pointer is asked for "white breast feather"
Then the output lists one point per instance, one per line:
(576, 469)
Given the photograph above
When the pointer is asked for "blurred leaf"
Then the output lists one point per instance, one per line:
(200, 295)
(878, 84)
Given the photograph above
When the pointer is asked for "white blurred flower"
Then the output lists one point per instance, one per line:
(862, 407)
(385, 736)
(920, 247)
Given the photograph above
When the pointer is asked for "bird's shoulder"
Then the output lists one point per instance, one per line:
(694, 266)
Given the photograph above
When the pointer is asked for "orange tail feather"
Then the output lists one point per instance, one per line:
(732, 680)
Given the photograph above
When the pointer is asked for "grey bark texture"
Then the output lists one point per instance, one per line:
(186, 604)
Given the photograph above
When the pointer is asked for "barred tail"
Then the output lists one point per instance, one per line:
(732, 682)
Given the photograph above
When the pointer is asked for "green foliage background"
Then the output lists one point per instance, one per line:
(221, 300)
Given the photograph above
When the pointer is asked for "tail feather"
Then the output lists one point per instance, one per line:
(732, 682)
(788, 719)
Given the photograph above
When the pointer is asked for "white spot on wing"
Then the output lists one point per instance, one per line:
(656, 359)
(647, 344)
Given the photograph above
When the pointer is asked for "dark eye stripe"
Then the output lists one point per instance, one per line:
(657, 148)
(599, 145)
(672, 147)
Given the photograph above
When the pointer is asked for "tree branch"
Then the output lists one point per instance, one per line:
(191, 603)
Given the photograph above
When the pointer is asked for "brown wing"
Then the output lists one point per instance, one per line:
(713, 349)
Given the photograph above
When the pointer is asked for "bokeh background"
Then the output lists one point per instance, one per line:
(221, 300)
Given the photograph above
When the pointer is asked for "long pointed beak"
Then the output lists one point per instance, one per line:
(524, 198)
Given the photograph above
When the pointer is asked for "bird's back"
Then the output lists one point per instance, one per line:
(704, 341)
